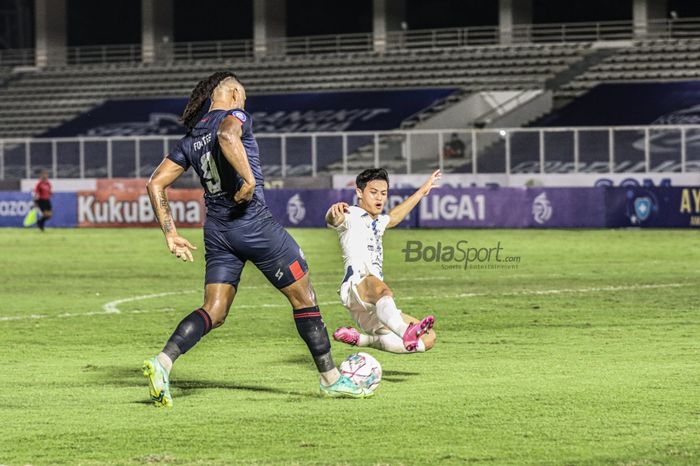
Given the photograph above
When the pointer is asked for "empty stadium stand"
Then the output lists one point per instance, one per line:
(36, 101)
(584, 122)
(651, 60)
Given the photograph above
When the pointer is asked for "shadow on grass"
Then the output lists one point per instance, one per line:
(299, 360)
(196, 385)
(398, 376)
(127, 376)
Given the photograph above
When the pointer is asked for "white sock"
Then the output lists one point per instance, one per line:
(165, 361)
(390, 316)
(367, 340)
(330, 377)
(391, 343)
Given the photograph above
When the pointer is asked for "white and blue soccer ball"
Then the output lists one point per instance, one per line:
(363, 369)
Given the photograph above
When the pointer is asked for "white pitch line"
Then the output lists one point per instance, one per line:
(573, 290)
(111, 307)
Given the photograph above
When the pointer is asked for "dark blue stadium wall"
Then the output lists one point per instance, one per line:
(302, 112)
(619, 104)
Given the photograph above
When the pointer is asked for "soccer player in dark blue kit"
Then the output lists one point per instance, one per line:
(221, 148)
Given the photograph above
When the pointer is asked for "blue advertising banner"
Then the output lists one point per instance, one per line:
(302, 112)
(653, 207)
(458, 208)
(14, 206)
(308, 207)
(602, 207)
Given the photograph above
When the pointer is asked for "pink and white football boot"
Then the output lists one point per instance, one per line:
(415, 331)
(347, 335)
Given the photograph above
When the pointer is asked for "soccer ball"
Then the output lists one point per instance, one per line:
(362, 369)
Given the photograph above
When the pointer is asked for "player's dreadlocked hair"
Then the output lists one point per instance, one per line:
(199, 96)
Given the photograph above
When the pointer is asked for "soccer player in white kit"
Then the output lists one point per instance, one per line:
(363, 291)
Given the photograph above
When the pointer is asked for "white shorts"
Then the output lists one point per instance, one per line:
(365, 314)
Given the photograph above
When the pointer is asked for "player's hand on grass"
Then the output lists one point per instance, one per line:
(337, 212)
(244, 194)
(181, 247)
(431, 183)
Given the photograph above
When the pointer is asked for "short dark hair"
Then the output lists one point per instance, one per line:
(369, 175)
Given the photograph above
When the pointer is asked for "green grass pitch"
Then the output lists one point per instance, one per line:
(587, 353)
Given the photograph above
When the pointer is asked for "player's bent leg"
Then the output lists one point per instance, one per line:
(392, 343)
(386, 340)
(280, 259)
(309, 324)
(191, 329)
(375, 291)
(412, 339)
(427, 340)
(218, 298)
(312, 329)
(372, 290)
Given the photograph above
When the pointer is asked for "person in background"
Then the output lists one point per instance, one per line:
(454, 148)
(42, 198)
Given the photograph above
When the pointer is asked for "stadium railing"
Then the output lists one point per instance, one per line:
(367, 43)
(617, 149)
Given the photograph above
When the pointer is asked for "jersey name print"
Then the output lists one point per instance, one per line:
(200, 149)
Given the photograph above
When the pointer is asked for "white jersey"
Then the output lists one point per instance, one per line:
(361, 241)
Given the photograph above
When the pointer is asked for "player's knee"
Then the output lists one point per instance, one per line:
(301, 294)
(301, 299)
(217, 312)
(383, 292)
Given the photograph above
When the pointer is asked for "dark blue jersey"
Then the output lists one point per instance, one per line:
(200, 149)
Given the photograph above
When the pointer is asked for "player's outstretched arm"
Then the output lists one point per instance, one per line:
(336, 214)
(165, 174)
(398, 213)
(229, 134)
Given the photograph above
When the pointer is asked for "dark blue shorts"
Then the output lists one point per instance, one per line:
(263, 242)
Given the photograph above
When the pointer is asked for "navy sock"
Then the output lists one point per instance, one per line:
(313, 331)
(188, 332)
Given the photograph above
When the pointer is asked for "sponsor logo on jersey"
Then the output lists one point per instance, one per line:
(240, 115)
